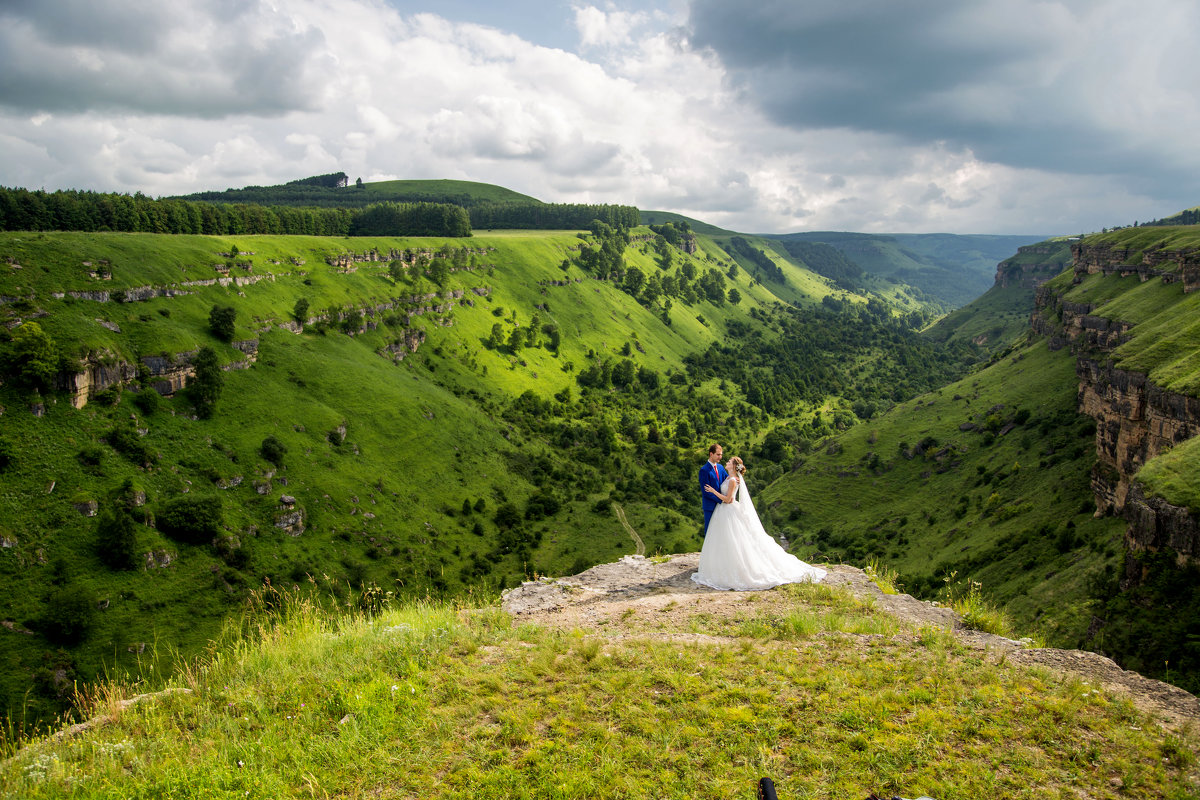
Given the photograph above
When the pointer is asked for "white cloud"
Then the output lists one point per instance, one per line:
(189, 101)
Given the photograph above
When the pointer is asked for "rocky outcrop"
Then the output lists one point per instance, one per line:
(1155, 524)
(1153, 262)
(1135, 419)
(96, 376)
(1033, 265)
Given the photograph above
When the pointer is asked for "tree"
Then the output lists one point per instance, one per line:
(221, 320)
(33, 359)
(735, 296)
(516, 340)
(496, 340)
(273, 450)
(70, 609)
(439, 271)
(300, 310)
(635, 279)
(116, 538)
(204, 387)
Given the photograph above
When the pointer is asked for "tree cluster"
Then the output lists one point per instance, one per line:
(763, 264)
(71, 210)
(826, 260)
(411, 219)
(552, 216)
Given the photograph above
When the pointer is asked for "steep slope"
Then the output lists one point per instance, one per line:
(999, 484)
(986, 480)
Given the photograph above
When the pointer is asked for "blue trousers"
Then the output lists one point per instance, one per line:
(708, 512)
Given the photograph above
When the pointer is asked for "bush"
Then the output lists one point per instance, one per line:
(205, 385)
(221, 322)
(116, 539)
(126, 441)
(541, 505)
(70, 610)
(147, 401)
(273, 450)
(507, 516)
(191, 519)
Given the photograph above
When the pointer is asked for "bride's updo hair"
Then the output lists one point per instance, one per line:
(739, 466)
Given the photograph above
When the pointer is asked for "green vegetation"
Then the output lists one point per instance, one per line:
(430, 700)
(986, 479)
(430, 415)
(1174, 476)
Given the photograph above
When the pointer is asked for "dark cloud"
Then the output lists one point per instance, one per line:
(984, 76)
(199, 61)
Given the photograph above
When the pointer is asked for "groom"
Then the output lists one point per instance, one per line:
(711, 474)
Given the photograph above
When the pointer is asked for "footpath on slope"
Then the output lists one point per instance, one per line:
(601, 599)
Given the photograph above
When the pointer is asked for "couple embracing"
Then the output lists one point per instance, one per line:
(738, 553)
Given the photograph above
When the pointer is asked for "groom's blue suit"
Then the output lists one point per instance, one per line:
(710, 475)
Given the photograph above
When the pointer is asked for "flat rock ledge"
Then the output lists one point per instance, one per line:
(600, 598)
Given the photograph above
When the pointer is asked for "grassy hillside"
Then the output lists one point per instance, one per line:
(540, 401)
(984, 480)
(1164, 337)
(478, 192)
(428, 700)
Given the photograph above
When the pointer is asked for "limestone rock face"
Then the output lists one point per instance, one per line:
(1012, 272)
(1170, 265)
(1135, 419)
(1154, 524)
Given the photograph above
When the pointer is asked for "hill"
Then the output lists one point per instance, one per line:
(335, 190)
(627, 680)
(1061, 476)
(422, 415)
(953, 269)
(474, 191)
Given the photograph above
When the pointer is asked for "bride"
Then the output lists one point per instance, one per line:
(738, 553)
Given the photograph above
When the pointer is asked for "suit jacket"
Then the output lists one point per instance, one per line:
(711, 475)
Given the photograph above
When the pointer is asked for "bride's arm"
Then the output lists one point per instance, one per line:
(733, 487)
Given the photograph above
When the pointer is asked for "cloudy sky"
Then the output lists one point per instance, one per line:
(976, 116)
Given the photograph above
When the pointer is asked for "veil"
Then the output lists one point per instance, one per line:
(744, 507)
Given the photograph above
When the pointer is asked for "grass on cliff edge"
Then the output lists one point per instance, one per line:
(439, 701)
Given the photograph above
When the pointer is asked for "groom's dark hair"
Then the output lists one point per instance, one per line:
(713, 449)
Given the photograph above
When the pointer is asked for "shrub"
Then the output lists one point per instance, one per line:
(116, 539)
(126, 441)
(205, 385)
(507, 516)
(221, 322)
(300, 310)
(191, 519)
(147, 401)
(541, 505)
(273, 450)
(70, 609)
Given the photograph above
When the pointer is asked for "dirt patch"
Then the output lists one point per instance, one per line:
(657, 597)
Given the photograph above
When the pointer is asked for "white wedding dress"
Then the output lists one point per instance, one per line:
(739, 554)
